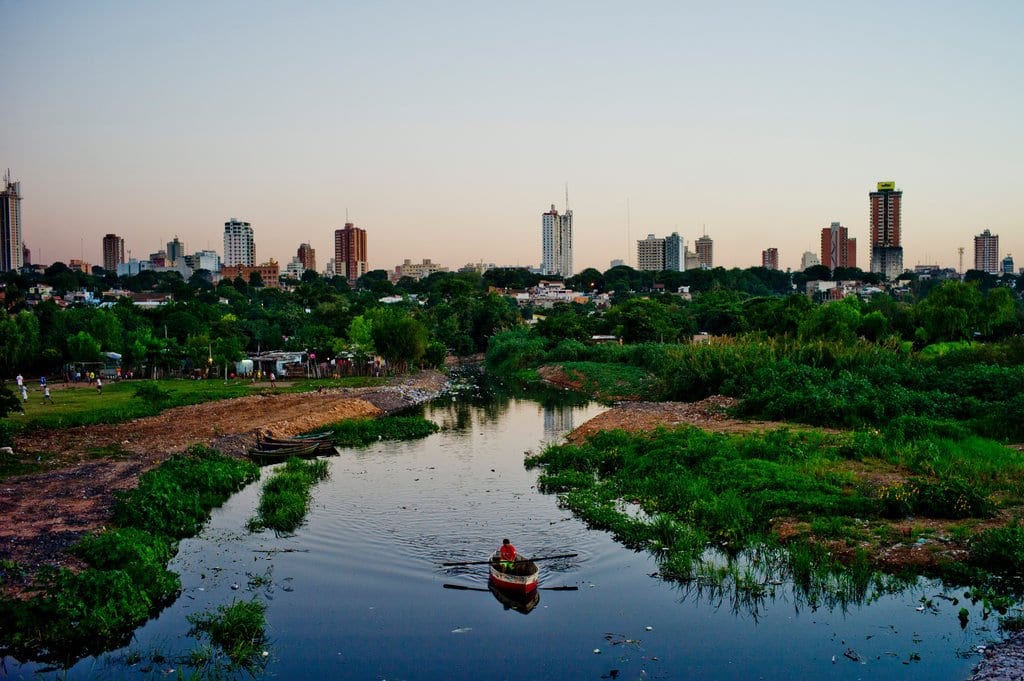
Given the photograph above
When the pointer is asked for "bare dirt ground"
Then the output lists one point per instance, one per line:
(44, 513)
(709, 414)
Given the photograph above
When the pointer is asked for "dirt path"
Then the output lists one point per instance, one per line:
(43, 513)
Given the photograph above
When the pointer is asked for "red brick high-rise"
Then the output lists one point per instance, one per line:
(307, 256)
(770, 259)
(886, 230)
(350, 252)
(837, 249)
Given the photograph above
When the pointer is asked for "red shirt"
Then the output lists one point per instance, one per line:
(507, 552)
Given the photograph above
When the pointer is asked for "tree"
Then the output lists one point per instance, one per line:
(950, 312)
(399, 338)
(8, 402)
(82, 347)
(836, 321)
(640, 320)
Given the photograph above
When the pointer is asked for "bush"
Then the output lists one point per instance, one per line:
(999, 550)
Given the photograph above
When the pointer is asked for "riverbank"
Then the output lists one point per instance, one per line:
(46, 512)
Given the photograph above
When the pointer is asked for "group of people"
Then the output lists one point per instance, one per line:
(23, 389)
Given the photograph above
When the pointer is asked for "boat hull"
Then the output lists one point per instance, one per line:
(522, 580)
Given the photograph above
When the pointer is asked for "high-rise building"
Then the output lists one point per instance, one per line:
(113, 252)
(705, 252)
(986, 252)
(175, 252)
(239, 248)
(1008, 264)
(650, 254)
(770, 258)
(810, 259)
(350, 252)
(837, 249)
(12, 247)
(556, 243)
(307, 256)
(675, 252)
(886, 230)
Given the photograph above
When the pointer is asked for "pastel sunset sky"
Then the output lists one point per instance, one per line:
(445, 129)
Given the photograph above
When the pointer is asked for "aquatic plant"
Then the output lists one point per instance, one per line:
(285, 498)
(361, 432)
(71, 614)
(238, 629)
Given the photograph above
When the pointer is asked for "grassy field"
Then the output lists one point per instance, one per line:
(81, 404)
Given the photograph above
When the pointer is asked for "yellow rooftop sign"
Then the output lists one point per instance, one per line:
(886, 186)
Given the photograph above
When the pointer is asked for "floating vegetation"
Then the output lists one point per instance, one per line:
(285, 497)
(72, 614)
(361, 432)
(238, 630)
(746, 512)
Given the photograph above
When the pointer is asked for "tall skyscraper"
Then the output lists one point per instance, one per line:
(175, 252)
(675, 252)
(886, 230)
(113, 252)
(986, 252)
(705, 252)
(770, 258)
(239, 248)
(12, 247)
(650, 254)
(1007, 267)
(556, 243)
(307, 256)
(350, 252)
(837, 249)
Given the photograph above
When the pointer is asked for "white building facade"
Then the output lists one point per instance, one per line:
(556, 243)
(239, 248)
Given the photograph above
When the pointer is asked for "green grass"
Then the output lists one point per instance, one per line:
(285, 497)
(238, 629)
(73, 614)
(80, 404)
(611, 381)
(682, 492)
(362, 432)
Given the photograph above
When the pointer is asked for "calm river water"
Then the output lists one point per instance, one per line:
(357, 592)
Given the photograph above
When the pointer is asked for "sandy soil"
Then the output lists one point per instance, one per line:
(43, 513)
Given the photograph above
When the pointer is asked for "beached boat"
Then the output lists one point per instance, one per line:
(269, 442)
(522, 578)
(267, 455)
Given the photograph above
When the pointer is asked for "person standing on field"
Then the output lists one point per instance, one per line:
(99, 385)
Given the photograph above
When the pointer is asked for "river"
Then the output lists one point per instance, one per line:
(358, 592)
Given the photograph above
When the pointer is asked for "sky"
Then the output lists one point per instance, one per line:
(446, 129)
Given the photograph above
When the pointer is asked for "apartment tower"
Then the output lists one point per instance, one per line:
(556, 243)
(675, 252)
(113, 252)
(350, 252)
(886, 230)
(770, 258)
(705, 252)
(307, 256)
(650, 254)
(12, 248)
(986, 252)
(239, 248)
(837, 249)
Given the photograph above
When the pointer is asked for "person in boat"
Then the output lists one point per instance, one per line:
(507, 556)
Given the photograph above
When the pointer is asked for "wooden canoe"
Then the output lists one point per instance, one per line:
(522, 578)
(270, 443)
(264, 455)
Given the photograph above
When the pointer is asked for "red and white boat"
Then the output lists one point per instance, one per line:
(521, 579)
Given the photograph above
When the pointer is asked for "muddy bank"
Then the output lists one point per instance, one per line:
(46, 512)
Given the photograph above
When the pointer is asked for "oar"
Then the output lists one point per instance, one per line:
(460, 587)
(487, 562)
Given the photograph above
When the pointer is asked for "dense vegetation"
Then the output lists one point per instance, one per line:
(361, 432)
(680, 492)
(72, 614)
(285, 498)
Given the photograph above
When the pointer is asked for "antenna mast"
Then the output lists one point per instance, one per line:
(567, 196)
(960, 250)
(629, 241)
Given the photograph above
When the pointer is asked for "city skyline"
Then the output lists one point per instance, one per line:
(139, 121)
